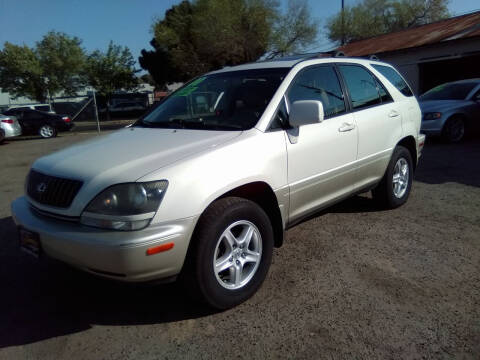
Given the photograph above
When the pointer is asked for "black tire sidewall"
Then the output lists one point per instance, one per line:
(446, 134)
(392, 200)
(211, 229)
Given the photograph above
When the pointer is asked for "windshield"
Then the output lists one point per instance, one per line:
(451, 91)
(225, 101)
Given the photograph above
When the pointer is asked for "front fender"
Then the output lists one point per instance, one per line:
(198, 180)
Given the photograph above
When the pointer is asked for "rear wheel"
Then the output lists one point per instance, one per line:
(231, 252)
(394, 189)
(454, 129)
(47, 131)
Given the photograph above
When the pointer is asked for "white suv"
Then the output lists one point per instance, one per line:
(204, 185)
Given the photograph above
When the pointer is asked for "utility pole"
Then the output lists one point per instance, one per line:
(96, 111)
(343, 22)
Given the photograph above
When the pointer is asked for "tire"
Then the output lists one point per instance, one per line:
(47, 131)
(212, 244)
(453, 130)
(394, 189)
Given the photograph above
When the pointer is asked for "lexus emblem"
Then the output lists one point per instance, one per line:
(41, 188)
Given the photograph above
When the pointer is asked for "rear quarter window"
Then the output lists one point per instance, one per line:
(395, 79)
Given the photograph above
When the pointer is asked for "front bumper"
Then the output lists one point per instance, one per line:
(432, 127)
(120, 255)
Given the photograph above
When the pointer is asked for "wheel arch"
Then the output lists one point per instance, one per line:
(262, 194)
(410, 144)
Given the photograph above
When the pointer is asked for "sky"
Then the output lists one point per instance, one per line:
(126, 22)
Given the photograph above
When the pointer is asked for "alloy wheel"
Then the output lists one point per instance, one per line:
(237, 255)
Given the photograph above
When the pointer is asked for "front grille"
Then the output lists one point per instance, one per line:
(52, 190)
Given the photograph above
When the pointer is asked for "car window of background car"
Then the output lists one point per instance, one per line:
(395, 79)
(32, 115)
(449, 91)
(361, 85)
(42, 108)
(319, 83)
(235, 100)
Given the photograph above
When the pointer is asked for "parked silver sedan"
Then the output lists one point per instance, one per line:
(10, 126)
(451, 110)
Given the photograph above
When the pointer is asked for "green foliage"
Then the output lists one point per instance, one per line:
(204, 35)
(375, 17)
(54, 65)
(112, 70)
(294, 31)
(62, 60)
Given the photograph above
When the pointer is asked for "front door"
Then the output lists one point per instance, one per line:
(321, 157)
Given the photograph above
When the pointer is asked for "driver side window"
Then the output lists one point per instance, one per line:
(319, 83)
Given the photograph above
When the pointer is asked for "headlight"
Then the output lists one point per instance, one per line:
(432, 116)
(125, 206)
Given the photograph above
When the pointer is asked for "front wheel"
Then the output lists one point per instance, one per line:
(394, 189)
(47, 131)
(231, 252)
(454, 129)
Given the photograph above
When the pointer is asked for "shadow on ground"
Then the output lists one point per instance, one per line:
(459, 163)
(45, 299)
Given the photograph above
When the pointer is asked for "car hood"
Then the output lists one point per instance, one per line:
(441, 105)
(128, 154)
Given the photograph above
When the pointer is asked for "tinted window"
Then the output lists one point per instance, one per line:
(13, 112)
(384, 95)
(361, 85)
(394, 77)
(449, 91)
(225, 101)
(32, 115)
(319, 83)
(43, 108)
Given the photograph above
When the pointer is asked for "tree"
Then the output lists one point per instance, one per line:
(111, 71)
(204, 35)
(375, 17)
(294, 31)
(53, 66)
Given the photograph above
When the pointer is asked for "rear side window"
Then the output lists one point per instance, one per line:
(362, 86)
(319, 83)
(394, 77)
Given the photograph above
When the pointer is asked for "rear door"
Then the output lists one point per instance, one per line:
(33, 119)
(321, 157)
(379, 122)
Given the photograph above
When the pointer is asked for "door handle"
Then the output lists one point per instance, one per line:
(346, 127)
(393, 113)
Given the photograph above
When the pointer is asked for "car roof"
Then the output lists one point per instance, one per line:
(291, 61)
(474, 80)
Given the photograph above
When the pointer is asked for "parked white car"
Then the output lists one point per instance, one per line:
(206, 194)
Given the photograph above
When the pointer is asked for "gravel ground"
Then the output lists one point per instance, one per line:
(351, 282)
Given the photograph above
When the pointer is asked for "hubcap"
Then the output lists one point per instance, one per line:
(46, 131)
(237, 255)
(400, 177)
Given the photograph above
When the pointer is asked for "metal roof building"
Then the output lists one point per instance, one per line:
(428, 55)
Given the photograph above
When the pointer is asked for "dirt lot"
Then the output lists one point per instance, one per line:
(352, 282)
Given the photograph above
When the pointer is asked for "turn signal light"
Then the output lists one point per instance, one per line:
(160, 248)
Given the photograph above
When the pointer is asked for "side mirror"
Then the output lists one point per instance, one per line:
(304, 112)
